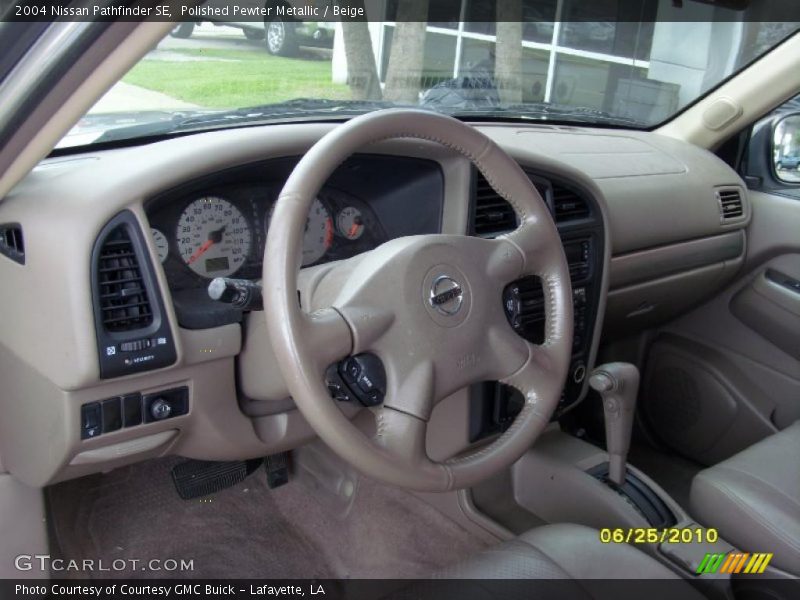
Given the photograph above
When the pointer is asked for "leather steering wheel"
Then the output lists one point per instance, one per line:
(389, 302)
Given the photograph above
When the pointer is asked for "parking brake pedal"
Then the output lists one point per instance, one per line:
(196, 478)
(277, 469)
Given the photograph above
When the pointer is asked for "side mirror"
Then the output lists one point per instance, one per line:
(786, 148)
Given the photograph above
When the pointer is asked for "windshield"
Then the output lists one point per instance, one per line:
(560, 61)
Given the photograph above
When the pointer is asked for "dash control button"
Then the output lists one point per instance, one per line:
(112, 415)
(132, 410)
(90, 420)
(160, 409)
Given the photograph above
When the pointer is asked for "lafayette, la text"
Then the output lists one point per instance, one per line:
(188, 589)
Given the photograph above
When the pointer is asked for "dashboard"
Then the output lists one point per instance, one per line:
(150, 226)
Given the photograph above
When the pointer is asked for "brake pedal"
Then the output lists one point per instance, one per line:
(196, 478)
(277, 469)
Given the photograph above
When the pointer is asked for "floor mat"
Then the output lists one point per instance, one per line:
(249, 530)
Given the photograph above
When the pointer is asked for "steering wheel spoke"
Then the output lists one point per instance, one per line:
(328, 336)
(367, 325)
(402, 434)
(537, 254)
(412, 388)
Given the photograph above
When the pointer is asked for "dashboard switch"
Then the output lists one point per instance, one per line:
(90, 420)
(160, 409)
(112, 415)
(166, 404)
(132, 410)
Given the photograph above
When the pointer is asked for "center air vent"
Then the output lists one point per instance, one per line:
(730, 204)
(568, 205)
(123, 298)
(493, 214)
(11, 243)
(132, 332)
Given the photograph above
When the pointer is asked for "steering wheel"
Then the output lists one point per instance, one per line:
(429, 306)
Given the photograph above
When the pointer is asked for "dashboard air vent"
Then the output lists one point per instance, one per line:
(567, 205)
(493, 214)
(124, 305)
(731, 207)
(11, 243)
(133, 332)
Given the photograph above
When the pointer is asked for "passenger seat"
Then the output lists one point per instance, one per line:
(753, 498)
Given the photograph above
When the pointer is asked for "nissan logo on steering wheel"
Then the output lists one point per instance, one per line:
(446, 295)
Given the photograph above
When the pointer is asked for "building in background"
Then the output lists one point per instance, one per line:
(643, 70)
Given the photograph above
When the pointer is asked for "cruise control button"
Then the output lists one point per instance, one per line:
(353, 369)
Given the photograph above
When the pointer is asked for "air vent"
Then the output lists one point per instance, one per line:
(133, 333)
(11, 243)
(567, 205)
(124, 305)
(731, 207)
(493, 214)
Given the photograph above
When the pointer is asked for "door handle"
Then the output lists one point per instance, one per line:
(783, 280)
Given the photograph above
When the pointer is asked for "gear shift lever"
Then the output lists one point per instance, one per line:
(618, 384)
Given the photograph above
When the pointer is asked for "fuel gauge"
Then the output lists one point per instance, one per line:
(162, 245)
(350, 223)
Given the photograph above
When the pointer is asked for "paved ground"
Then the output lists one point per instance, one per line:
(219, 37)
(793, 176)
(125, 97)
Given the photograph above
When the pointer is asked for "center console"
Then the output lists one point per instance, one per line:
(565, 479)
(579, 221)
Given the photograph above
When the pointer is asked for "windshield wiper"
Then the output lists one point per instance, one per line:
(312, 108)
(186, 121)
(544, 111)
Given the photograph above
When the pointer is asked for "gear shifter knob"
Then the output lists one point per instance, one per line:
(618, 385)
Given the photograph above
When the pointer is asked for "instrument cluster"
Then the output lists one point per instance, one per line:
(221, 232)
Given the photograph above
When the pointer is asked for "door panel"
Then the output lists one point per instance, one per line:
(770, 303)
(728, 373)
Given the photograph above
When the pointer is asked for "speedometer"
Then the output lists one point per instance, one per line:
(213, 236)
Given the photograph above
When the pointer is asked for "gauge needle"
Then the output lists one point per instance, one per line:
(213, 237)
(206, 245)
(353, 229)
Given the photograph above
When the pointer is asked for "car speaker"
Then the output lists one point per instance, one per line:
(685, 403)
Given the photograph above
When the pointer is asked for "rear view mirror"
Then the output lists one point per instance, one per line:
(786, 148)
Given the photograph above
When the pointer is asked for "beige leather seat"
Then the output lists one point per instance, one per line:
(569, 552)
(753, 498)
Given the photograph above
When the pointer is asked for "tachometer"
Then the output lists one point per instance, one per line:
(318, 235)
(213, 237)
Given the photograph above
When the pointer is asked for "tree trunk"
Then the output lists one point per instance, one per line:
(404, 76)
(362, 72)
(508, 55)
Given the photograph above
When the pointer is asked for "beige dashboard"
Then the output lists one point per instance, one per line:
(668, 246)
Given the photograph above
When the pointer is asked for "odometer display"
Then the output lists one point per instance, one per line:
(213, 237)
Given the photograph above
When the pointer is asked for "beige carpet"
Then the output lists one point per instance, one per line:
(297, 531)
